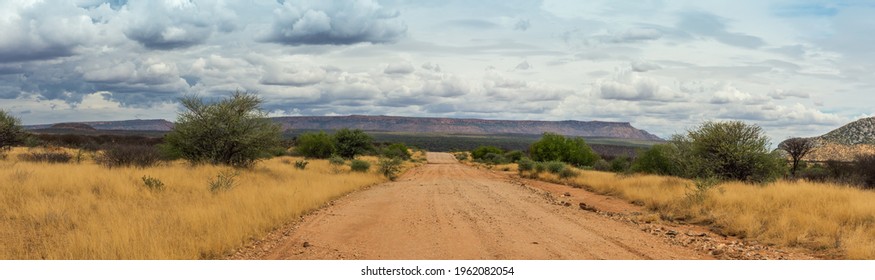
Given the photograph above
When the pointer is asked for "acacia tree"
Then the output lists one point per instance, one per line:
(797, 148)
(731, 150)
(233, 131)
(11, 132)
(350, 143)
(316, 145)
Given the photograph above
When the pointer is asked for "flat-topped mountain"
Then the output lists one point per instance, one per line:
(415, 125)
(141, 125)
(467, 126)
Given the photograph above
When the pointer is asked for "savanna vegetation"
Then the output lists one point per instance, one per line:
(221, 178)
(722, 174)
(173, 210)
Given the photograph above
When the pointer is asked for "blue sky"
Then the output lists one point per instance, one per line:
(796, 68)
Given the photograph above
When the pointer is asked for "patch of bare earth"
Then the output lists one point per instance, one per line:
(446, 210)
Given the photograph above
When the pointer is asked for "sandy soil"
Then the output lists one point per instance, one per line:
(446, 210)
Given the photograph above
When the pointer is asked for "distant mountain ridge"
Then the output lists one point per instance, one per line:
(418, 125)
(143, 125)
(467, 126)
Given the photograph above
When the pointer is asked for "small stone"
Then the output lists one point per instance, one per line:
(535, 242)
(306, 244)
(567, 194)
(716, 252)
(671, 233)
(583, 206)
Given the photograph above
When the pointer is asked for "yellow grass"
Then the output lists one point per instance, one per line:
(85, 211)
(801, 214)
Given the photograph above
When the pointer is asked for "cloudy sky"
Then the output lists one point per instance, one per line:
(796, 68)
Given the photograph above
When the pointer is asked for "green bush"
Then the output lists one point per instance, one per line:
(482, 151)
(350, 143)
(525, 164)
(358, 165)
(461, 156)
(555, 166)
(390, 167)
(555, 147)
(656, 160)
(233, 131)
(513, 156)
(567, 173)
(540, 167)
(397, 150)
(492, 158)
(619, 164)
(315, 145)
(11, 132)
(602, 165)
(730, 150)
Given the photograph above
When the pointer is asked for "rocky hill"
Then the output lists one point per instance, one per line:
(846, 142)
(467, 126)
(861, 131)
(416, 125)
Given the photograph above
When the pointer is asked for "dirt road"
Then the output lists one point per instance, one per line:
(446, 210)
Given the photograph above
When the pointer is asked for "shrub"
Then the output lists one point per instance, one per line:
(555, 147)
(224, 181)
(301, 164)
(567, 173)
(656, 160)
(48, 156)
(492, 158)
(390, 167)
(233, 131)
(397, 150)
(814, 173)
(461, 156)
(480, 152)
(315, 145)
(729, 150)
(336, 162)
(358, 165)
(129, 155)
(540, 167)
(555, 166)
(513, 156)
(11, 132)
(865, 169)
(153, 184)
(350, 143)
(602, 165)
(619, 164)
(525, 164)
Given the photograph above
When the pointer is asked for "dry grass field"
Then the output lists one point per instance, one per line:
(799, 214)
(86, 211)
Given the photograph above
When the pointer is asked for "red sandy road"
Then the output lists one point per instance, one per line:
(446, 210)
